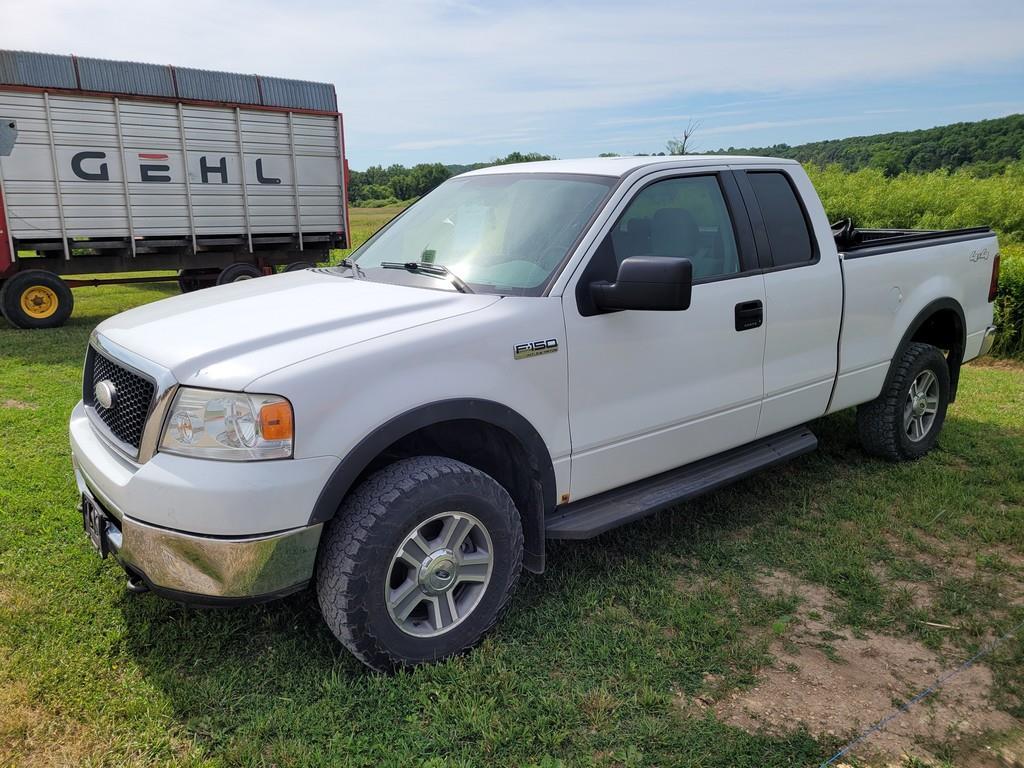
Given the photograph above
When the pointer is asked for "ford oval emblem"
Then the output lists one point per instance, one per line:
(105, 392)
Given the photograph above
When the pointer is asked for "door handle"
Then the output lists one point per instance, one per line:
(749, 315)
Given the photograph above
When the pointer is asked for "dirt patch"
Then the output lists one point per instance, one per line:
(837, 685)
(18, 405)
(1000, 565)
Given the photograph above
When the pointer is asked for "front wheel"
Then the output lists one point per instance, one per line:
(419, 563)
(904, 421)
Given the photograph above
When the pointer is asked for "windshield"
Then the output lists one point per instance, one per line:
(502, 233)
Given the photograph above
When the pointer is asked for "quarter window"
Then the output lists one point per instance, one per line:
(784, 220)
(684, 217)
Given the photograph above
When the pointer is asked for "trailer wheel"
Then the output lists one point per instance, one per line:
(36, 299)
(237, 272)
(295, 266)
(188, 281)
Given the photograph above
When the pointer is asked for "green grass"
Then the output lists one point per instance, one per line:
(588, 665)
(366, 221)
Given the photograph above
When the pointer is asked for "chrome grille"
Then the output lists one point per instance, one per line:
(126, 417)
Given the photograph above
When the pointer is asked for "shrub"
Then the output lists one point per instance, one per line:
(1010, 303)
(936, 200)
(383, 202)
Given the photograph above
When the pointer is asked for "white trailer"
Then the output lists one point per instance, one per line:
(122, 167)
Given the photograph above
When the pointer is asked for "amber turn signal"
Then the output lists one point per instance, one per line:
(276, 421)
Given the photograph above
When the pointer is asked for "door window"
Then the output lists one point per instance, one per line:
(683, 217)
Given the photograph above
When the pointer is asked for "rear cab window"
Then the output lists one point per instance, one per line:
(787, 227)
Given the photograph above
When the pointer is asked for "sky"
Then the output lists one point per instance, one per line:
(456, 81)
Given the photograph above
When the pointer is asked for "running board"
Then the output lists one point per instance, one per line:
(596, 514)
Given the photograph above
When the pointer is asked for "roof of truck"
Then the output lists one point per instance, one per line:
(620, 166)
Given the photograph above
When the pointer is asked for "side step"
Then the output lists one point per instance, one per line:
(596, 514)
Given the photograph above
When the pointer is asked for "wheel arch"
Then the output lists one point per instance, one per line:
(485, 434)
(942, 324)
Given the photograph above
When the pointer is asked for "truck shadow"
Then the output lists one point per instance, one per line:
(223, 670)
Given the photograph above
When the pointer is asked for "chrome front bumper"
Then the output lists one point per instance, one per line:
(209, 569)
(987, 340)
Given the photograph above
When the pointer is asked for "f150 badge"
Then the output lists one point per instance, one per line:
(534, 348)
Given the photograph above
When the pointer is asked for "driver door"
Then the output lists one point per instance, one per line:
(653, 390)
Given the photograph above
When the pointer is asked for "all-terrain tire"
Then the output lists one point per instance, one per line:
(355, 563)
(881, 423)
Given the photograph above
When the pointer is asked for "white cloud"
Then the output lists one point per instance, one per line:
(435, 70)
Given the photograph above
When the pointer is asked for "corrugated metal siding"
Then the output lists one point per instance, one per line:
(217, 86)
(38, 69)
(127, 77)
(278, 92)
(97, 207)
(47, 70)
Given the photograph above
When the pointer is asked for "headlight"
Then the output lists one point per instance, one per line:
(235, 426)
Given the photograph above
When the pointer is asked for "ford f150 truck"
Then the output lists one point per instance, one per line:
(535, 351)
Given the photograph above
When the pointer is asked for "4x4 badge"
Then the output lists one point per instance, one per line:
(534, 348)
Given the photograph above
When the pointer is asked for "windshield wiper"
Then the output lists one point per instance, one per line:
(357, 271)
(429, 268)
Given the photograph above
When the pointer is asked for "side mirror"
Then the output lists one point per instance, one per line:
(646, 282)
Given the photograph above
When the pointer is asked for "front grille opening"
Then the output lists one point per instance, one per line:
(126, 418)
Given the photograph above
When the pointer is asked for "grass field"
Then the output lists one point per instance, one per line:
(664, 643)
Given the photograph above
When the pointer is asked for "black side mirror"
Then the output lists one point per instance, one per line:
(646, 282)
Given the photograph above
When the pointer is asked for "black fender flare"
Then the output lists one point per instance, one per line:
(956, 355)
(358, 459)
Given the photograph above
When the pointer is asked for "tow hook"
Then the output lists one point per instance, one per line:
(135, 585)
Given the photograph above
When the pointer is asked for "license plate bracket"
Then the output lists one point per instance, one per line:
(94, 521)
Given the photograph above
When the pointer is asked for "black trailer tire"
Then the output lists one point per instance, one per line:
(188, 280)
(366, 576)
(236, 272)
(296, 266)
(904, 421)
(36, 299)
(196, 279)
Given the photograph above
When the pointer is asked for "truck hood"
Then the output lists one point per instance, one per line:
(227, 336)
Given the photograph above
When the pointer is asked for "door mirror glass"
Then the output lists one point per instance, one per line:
(661, 283)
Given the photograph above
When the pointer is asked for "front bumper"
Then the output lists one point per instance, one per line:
(208, 570)
(200, 530)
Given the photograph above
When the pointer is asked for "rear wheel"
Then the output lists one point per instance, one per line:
(36, 299)
(905, 420)
(295, 266)
(419, 563)
(238, 272)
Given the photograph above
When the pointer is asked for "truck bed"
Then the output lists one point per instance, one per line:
(891, 277)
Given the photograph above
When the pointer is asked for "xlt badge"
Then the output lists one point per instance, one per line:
(534, 348)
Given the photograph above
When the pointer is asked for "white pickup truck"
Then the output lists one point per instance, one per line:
(534, 351)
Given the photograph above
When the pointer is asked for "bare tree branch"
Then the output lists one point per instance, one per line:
(682, 145)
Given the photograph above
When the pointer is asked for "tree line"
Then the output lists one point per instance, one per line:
(982, 148)
(378, 186)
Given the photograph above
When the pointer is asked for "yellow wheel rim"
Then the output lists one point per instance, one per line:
(39, 302)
